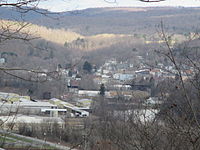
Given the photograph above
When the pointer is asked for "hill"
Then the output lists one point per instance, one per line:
(114, 32)
(125, 20)
(65, 37)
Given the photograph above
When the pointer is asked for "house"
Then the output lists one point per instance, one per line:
(121, 87)
(142, 72)
(2, 61)
(152, 101)
(73, 84)
(123, 76)
(88, 93)
(105, 71)
(156, 72)
(97, 80)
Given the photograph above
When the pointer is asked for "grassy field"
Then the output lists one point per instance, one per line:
(9, 141)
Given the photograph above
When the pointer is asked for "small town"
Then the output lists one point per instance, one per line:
(118, 84)
(99, 75)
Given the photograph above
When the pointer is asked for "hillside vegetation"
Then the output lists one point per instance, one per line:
(66, 37)
(126, 20)
(96, 35)
(59, 36)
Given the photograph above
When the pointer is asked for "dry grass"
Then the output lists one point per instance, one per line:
(60, 36)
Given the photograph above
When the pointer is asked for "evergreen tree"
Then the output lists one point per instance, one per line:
(70, 73)
(102, 90)
(87, 67)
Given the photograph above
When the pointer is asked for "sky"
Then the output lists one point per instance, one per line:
(67, 5)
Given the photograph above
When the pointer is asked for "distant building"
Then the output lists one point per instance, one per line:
(73, 84)
(143, 72)
(123, 77)
(24, 106)
(91, 93)
(88, 93)
(122, 87)
(156, 72)
(105, 71)
(2, 61)
(84, 103)
(77, 111)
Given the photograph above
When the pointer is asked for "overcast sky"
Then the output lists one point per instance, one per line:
(66, 5)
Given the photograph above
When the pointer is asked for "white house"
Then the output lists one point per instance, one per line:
(123, 76)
